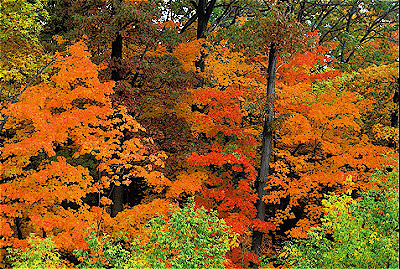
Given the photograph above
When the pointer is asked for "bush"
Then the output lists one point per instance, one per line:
(360, 233)
(188, 238)
(41, 254)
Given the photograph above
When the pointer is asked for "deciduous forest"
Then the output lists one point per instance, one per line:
(199, 134)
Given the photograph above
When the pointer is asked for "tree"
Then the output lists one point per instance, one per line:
(64, 145)
(185, 237)
(22, 61)
(304, 13)
(125, 36)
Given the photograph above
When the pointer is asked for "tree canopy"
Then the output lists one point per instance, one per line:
(208, 133)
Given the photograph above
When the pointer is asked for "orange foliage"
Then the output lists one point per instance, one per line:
(319, 138)
(65, 145)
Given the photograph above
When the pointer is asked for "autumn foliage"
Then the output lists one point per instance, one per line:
(131, 136)
(66, 146)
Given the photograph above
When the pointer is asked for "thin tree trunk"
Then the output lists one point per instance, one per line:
(116, 56)
(266, 149)
(204, 10)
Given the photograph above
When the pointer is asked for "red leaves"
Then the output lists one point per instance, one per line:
(263, 226)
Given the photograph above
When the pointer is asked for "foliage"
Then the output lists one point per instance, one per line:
(166, 130)
(319, 133)
(21, 22)
(189, 238)
(103, 252)
(65, 142)
(355, 233)
(40, 254)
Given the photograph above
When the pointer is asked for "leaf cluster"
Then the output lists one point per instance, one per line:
(355, 233)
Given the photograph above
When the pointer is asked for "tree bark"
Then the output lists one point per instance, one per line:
(204, 10)
(17, 222)
(117, 197)
(266, 148)
(116, 56)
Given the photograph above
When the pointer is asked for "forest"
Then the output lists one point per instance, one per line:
(199, 134)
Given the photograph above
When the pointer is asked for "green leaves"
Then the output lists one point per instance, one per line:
(21, 22)
(355, 233)
(103, 252)
(40, 255)
(189, 238)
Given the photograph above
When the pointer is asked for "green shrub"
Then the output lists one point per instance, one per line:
(41, 254)
(355, 233)
(189, 238)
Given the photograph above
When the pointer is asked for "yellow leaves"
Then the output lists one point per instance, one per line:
(131, 220)
(170, 24)
(382, 73)
(78, 66)
(71, 116)
(350, 184)
(59, 39)
(20, 51)
(158, 159)
(241, 20)
(385, 132)
(231, 68)
(158, 180)
(302, 228)
(187, 53)
(280, 167)
(297, 129)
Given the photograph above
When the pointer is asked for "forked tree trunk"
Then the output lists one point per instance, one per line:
(262, 179)
(204, 10)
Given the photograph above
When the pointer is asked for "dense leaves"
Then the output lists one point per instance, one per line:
(355, 233)
(115, 114)
(200, 240)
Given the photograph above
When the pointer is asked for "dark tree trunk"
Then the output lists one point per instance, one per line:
(266, 149)
(17, 222)
(204, 11)
(117, 196)
(116, 56)
(394, 117)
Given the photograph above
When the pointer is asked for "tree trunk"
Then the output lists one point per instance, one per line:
(17, 222)
(266, 149)
(116, 56)
(204, 11)
(117, 197)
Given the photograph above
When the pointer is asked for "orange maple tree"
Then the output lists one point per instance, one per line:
(64, 145)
